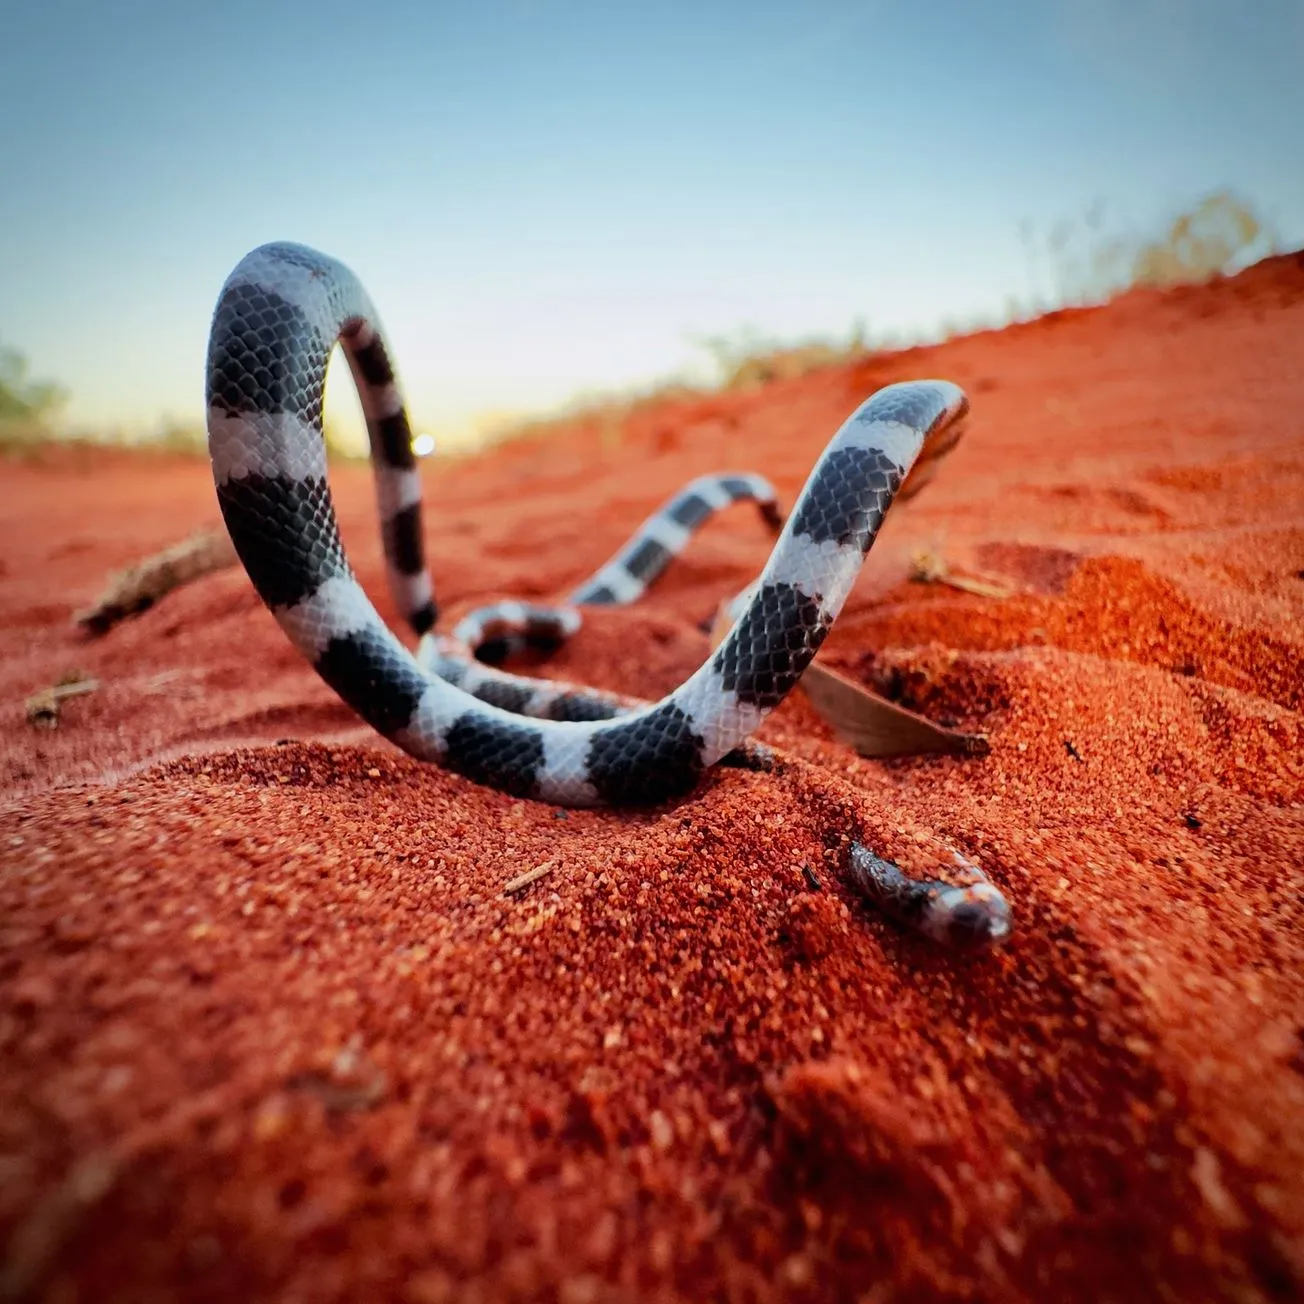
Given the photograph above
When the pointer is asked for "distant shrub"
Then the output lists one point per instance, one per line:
(1220, 234)
(1087, 261)
(175, 436)
(22, 400)
(748, 360)
(1073, 262)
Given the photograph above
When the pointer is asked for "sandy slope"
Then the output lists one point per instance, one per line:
(271, 1030)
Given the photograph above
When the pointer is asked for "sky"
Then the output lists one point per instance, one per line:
(549, 197)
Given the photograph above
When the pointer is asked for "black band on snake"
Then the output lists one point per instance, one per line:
(280, 313)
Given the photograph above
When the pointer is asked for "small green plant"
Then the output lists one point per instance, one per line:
(26, 405)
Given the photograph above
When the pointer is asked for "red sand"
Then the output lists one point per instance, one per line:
(272, 1030)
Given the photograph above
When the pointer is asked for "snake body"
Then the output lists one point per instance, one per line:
(490, 634)
(280, 313)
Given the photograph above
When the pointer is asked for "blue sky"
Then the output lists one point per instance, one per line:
(545, 197)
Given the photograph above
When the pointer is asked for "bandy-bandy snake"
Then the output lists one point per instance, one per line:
(279, 315)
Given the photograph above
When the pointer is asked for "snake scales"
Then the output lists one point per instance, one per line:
(280, 313)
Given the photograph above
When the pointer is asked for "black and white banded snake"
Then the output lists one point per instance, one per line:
(279, 315)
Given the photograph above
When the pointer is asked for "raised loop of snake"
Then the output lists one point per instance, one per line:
(280, 314)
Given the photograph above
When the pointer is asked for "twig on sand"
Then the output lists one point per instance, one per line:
(873, 726)
(930, 568)
(137, 588)
(530, 876)
(43, 706)
(863, 720)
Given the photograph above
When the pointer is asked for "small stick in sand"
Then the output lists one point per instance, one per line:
(530, 876)
(873, 726)
(862, 720)
(930, 568)
(43, 706)
(137, 588)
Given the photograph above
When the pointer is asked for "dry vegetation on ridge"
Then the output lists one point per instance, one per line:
(1080, 262)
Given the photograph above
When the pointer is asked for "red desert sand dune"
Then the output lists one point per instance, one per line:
(273, 1030)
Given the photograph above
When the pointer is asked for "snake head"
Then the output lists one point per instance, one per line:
(968, 918)
(971, 915)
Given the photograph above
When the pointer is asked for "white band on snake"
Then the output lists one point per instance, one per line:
(280, 313)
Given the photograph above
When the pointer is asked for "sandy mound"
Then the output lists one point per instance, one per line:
(272, 1030)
